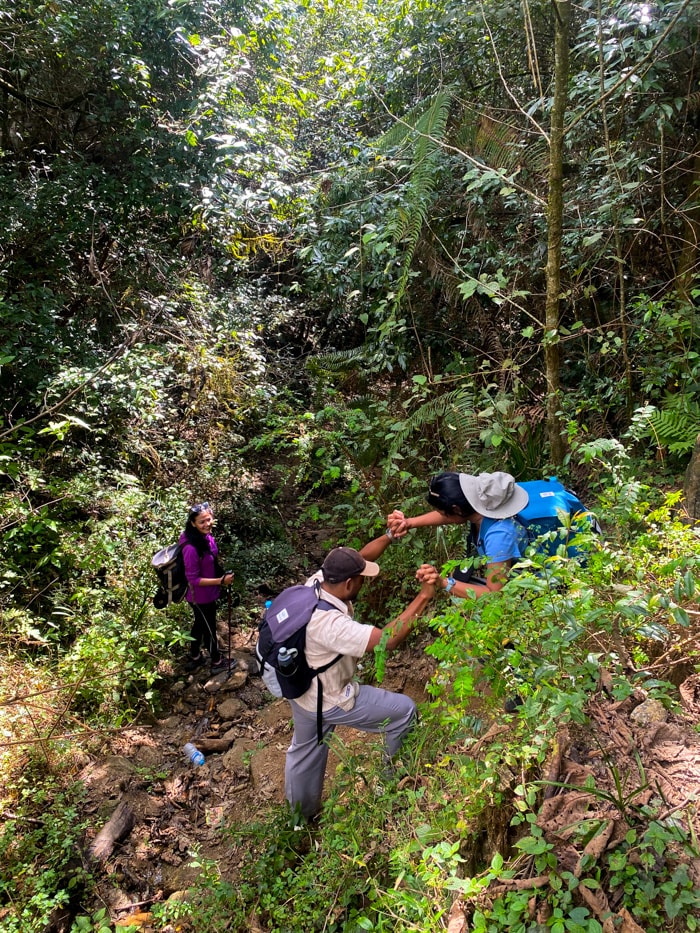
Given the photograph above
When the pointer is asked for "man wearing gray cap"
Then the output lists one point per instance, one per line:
(488, 502)
(331, 632)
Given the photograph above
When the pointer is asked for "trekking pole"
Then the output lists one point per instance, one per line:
(228, 600)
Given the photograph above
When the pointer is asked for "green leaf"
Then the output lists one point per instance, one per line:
(467, 289)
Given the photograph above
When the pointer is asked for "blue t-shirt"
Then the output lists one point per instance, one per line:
(501, 539)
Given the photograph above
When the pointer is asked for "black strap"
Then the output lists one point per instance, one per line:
(320, 670)
(319, 694)
(319, 710)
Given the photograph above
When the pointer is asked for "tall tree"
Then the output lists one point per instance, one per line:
(555, 211)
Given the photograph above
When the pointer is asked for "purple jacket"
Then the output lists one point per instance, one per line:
(197, 567)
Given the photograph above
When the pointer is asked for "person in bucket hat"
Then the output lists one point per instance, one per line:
(488, 502)
(334, 631)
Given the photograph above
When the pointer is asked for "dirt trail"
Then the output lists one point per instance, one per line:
(177, 806)
(244, 732)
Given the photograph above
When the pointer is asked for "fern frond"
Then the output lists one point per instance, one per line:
(453, 412)
(338, 361)
(677, 425)
(420, 139)
(415, 121)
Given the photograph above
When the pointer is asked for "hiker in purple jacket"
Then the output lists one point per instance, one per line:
(200, 556)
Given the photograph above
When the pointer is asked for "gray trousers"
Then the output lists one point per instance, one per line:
(375, 710)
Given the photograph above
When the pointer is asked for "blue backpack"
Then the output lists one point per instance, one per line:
(548, 497)
(282, 642)
(541, 520)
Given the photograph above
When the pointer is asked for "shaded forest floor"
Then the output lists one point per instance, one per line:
(635, 750)
(176, 808)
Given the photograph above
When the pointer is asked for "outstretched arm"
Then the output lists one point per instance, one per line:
(398, 524)
(376, 547)
(400, 627)
(496, 575)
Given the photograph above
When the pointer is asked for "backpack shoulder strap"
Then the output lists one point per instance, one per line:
(324, 667)
(320, 670)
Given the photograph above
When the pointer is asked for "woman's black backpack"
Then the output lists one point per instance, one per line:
(169, 566)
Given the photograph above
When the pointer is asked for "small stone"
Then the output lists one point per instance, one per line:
(230, 708)
(649, 712)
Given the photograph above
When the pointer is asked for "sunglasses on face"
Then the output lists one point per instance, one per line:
(202, 507)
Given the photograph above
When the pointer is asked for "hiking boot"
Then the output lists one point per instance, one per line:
(192, 663)
(224, 664)
(512, 703)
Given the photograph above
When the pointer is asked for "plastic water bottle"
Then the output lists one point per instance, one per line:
(194, 754)
(285, 659)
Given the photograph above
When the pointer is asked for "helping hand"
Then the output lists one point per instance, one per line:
(397, 524)
(426, 573)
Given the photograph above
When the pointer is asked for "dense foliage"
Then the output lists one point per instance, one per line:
(290, 257)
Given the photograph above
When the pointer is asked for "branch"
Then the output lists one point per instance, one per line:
(508, 91)
(27, 99)
(73, 392)
(650, 54)
(131, 339)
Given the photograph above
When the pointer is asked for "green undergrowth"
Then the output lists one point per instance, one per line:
(458, 827)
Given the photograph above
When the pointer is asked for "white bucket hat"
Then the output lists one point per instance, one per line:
(495, 495)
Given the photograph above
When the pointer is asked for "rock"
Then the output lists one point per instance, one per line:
(178, 878)
(149, 757)
(224, 681)
(109, 776)
(236, 760)
(649, 712)
(171, 724)
(230, 708)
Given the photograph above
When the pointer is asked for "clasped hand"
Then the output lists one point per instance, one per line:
(427, 574)
(397, 524)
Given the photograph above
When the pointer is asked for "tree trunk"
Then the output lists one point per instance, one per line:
(688, 263)
(691, 486)
(555, 208)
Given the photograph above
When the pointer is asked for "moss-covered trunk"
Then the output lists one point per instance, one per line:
(562, 16)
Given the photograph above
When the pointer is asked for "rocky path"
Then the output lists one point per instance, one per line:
(177, 807)
(163, 808)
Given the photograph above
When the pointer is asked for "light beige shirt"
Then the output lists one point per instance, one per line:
(331, 632)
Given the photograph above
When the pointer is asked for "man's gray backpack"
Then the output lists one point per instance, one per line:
(282, 642)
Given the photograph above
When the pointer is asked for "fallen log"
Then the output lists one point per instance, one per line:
(207, 746)
(117, 827)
